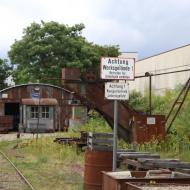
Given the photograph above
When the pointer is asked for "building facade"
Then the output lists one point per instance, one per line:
(36, 107)
(170, 61)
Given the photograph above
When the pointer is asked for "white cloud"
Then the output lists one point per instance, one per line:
(146, 26)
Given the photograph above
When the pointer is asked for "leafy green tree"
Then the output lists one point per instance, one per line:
(5, 71)
(48, 47)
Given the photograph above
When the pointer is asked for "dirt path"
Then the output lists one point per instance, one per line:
(13, 136)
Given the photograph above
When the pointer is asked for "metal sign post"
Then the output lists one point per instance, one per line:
(115, 68)
(114, 166)
(116, 91)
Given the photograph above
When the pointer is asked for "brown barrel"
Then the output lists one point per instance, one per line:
(95, 162)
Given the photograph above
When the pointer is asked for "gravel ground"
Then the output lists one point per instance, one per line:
(181, 187)
(163, 186)
(13, 136)
(9, 178)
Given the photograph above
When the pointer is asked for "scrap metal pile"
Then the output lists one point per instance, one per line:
(80, 142)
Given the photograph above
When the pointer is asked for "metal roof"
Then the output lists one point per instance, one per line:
(39, 84)
(167, 51)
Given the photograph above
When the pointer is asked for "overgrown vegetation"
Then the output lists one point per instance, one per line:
(5, 71)
(96, 123)
(177, 143)
(170, 147)
(46, 164)
(161, 104)
(49, 165)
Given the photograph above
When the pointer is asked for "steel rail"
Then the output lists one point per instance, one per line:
(18, 171)
(165, 73)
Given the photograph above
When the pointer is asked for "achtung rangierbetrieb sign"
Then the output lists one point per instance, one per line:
(116, 91)
(117, 68)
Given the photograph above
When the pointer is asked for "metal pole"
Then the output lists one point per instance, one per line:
(38, 121)
(166, 73)
(150, 94)
(115, 136)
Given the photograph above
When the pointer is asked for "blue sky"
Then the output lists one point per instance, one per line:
(144, 26)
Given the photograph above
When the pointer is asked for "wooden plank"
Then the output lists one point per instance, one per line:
(126, 150)
(136, 153)
(100, 135)
(180, 175)
(100, 148)
(142, 160)
(137, 156)
(171, 165)
(132, 162)
(164, 163)
(136, 164)
(100, 141)
(183, 170)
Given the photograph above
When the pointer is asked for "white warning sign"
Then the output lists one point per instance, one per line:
(116, 91)
(117, 68)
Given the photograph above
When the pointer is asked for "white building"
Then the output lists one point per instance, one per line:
(173, 60)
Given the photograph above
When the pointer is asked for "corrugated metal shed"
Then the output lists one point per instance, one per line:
(27, 102)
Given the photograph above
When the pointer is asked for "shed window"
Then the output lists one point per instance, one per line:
(34, 112)
(45, 111)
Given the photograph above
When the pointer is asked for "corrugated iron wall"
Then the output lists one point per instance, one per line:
(17, 93)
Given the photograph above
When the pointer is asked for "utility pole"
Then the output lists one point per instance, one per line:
(147, 74)
(38, 121)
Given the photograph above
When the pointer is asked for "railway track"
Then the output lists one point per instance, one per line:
(10, 176)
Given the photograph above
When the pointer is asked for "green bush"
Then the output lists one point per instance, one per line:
(96, 123)
(161, 104)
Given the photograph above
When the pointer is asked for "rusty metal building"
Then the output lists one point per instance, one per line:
(31, 107)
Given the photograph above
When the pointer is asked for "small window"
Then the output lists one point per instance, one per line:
(45, 112)
(34, 112)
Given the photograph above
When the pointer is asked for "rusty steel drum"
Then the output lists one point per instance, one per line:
(95, 163)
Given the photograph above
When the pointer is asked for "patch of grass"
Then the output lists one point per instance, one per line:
(46, 164)
(171, 147)
(96, 123)
(185, 156)
(49, 165)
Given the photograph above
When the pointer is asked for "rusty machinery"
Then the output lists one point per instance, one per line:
(178, 102)
(134, 126)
